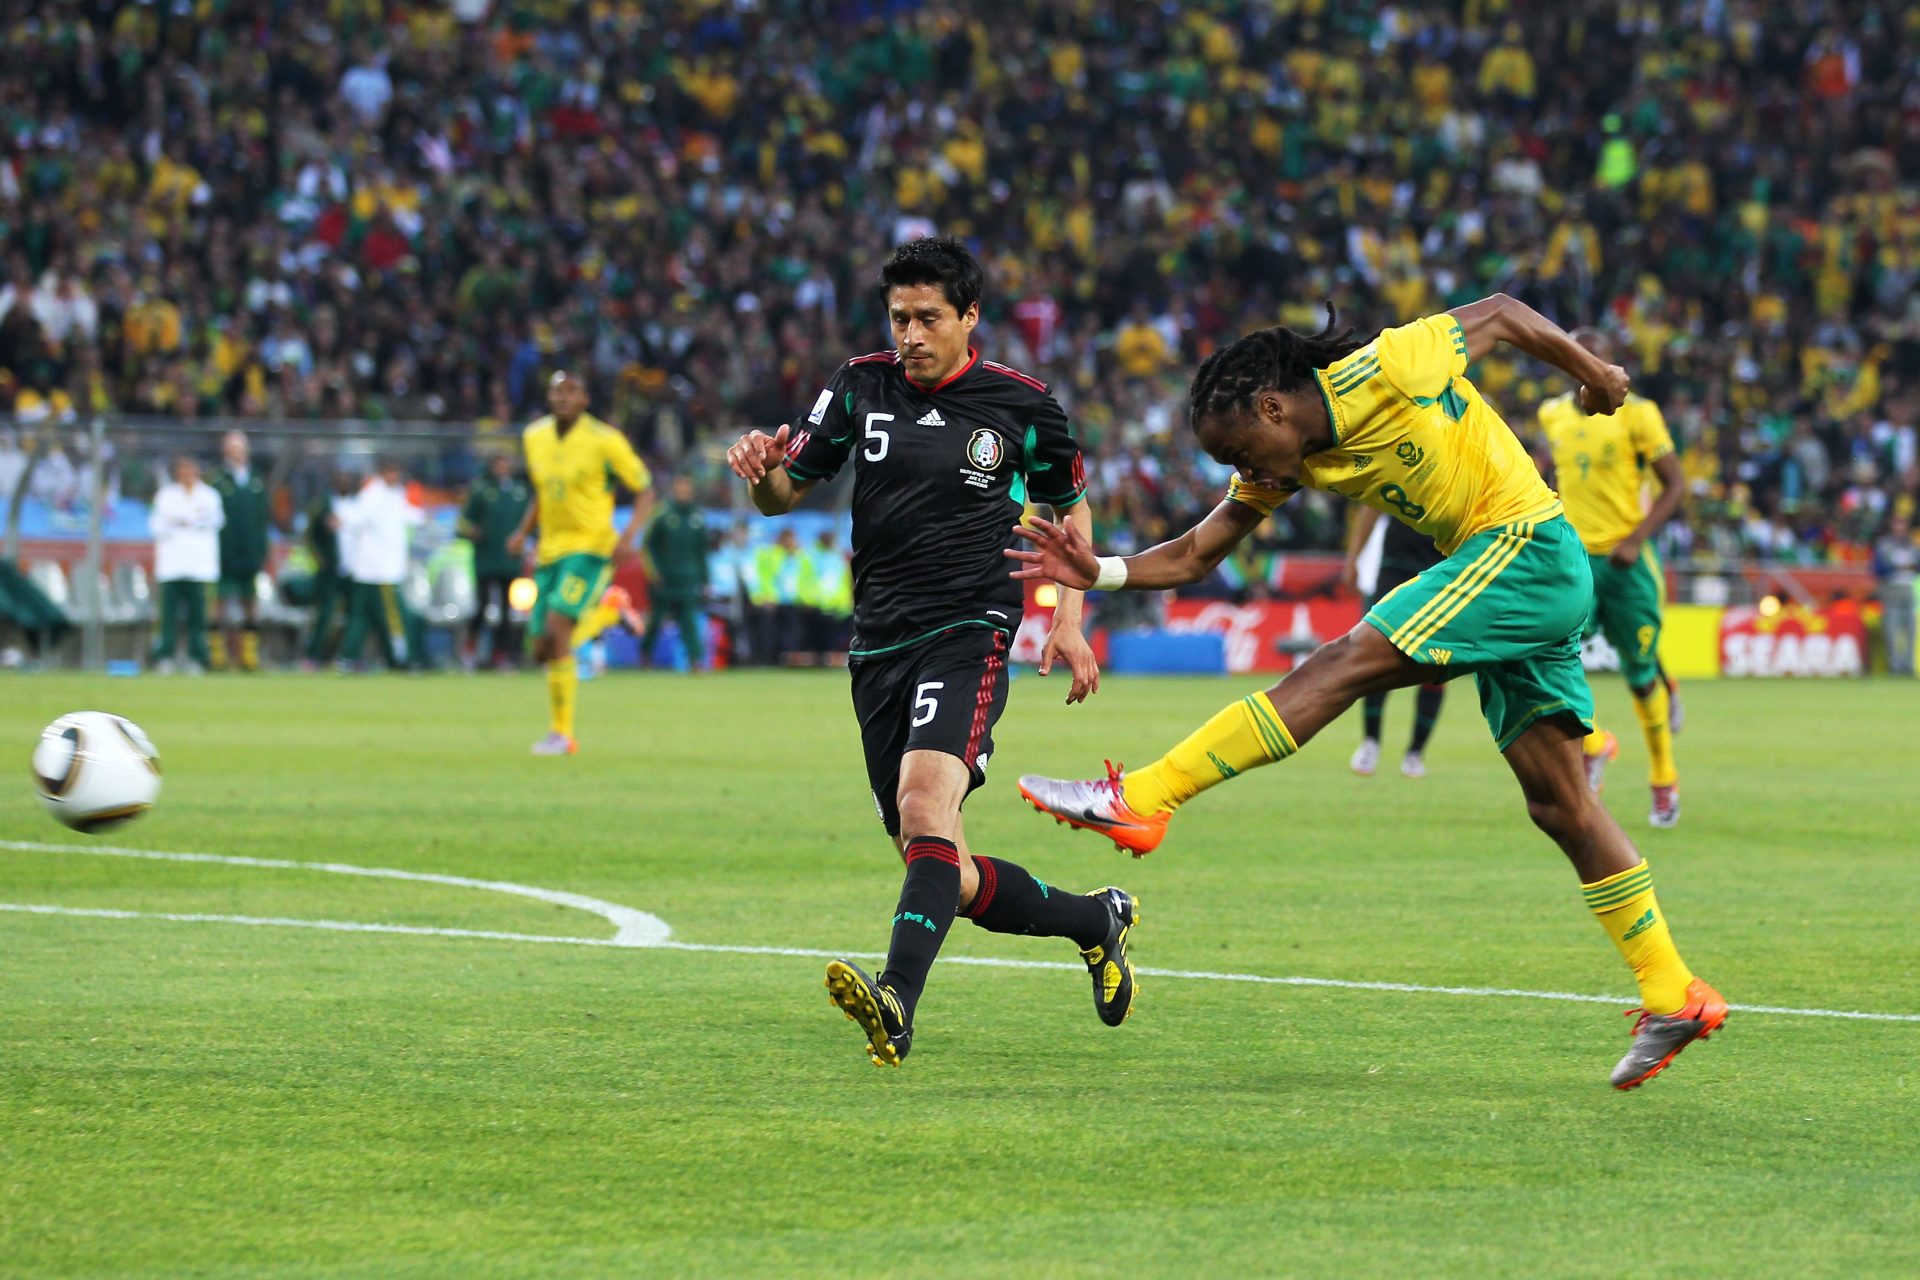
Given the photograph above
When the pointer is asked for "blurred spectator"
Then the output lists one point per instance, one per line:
(493, 510)
(730, 577)
(185, 519)
(676, 554)
(13, 465)
(243, 552)
(376, 527)
(332, 589)
(775, 598)
(826, 592)
(1896, 562)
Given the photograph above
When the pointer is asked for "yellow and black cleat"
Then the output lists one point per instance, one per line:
(1112, 972)
(875, 1008)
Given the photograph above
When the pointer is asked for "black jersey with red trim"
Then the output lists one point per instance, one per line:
(941, 476)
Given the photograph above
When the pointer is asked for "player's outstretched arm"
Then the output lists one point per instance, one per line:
(1603, 386)
(1063, 555)
(756, 457)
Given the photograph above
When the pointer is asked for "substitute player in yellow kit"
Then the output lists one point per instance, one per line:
(1601, 463)
(573, 460)
(1395, 424)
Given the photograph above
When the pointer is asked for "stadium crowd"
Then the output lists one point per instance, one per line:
(417, 210)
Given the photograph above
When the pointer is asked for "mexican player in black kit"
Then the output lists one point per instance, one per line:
(946, 448)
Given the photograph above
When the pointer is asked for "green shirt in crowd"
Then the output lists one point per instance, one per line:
(243, 539)
(323, 540)
(493, 511)
(677, 545)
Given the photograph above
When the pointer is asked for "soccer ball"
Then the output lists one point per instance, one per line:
(94, 770)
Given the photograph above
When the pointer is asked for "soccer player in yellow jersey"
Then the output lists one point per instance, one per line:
(573, 460)
(1396, 425)
(1601, 463)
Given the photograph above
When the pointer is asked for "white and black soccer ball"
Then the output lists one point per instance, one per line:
(94, 770)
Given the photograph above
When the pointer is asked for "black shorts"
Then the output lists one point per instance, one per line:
(1393, 574)
(944, 694)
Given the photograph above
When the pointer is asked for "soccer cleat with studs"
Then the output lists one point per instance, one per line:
(1665, 812)
(1658, 1038)
(1597, 762)
(875, 1008)
(556, 744)
(1107, 963)
(1097, 805)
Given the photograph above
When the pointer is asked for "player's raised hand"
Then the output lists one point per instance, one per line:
(1059, 554)
(1070, 645)
(1608, 394)
(756, 453)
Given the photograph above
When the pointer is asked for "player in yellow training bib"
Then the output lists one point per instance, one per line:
(573, 460)
(1396, 424)
(1601, 464)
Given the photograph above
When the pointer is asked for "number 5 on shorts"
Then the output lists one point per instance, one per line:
(925, 707)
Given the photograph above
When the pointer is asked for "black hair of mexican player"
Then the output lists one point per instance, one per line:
(940, 260)
(1276, 359)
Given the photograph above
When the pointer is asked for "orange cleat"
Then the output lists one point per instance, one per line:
(1658, 1038)
(1097, 805)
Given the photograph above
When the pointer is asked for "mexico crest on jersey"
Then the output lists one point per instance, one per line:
(985, 450)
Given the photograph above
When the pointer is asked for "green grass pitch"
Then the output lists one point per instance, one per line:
(218, 1099)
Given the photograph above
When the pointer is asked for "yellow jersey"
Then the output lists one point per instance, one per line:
(1413, 439)
(572, 477)
(1600, 465)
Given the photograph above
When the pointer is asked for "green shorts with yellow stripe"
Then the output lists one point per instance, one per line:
(1626, 609)
(1509, 605)
(568, 586)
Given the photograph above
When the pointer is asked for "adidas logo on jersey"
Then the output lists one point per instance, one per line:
(933, 419)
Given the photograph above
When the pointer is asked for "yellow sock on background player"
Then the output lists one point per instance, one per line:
(563, 690)
(1654, 712)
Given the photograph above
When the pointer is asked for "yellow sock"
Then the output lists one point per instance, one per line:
(1653, 711)
(250, 650)
(217, 650)
(1246, 734)
(563, 687)
(593, 622)
(1596, 742)
(1626, 908)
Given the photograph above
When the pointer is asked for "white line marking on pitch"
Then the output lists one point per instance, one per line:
(631, 928)
(641, 931)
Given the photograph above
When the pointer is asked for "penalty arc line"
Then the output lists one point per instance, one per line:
(989, 962)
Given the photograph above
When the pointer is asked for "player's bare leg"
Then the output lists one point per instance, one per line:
(553, 649)
(1677, 1008)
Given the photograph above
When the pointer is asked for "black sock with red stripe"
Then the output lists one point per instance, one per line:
(1012, 900)
(928, 899)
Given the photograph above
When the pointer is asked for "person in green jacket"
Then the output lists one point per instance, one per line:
(494, 508)
(676, 547)
(330, 586)
(243, 551)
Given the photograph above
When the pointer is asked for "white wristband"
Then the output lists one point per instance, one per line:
(1112, 575)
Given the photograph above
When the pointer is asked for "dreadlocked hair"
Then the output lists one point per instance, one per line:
(1275, 359)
